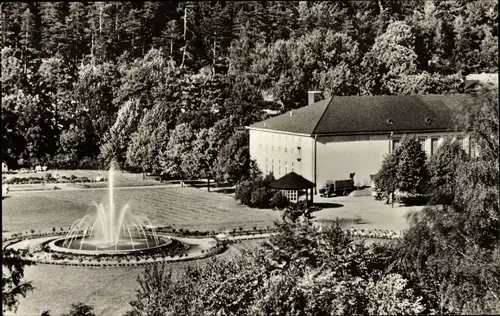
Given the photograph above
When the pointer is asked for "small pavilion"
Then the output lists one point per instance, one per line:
(293, 186)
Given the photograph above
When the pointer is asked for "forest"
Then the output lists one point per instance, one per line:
(168, 86)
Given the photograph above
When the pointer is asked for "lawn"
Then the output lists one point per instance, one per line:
(188, 208)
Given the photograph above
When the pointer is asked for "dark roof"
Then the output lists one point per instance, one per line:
(302, 121)
(292, 181)
(370, 114)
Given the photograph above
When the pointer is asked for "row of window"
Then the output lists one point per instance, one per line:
(279, 137)
(434, 144)
(271, 148)
(279, 168)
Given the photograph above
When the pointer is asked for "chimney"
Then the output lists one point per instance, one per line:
(313, 97)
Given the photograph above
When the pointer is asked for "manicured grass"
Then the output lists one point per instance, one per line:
(187, 208)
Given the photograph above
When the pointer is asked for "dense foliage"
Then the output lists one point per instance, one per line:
(13, 284)
(442, 167)
(404, 169)
(255, 191)
(301, 271)
(84, 83)
(452, 254)
(447, 262)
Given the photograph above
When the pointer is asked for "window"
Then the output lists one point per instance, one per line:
(267, 170)
(286, 150)
(460, 141)
(422, 143)
(292, 150)
(434, 145)
(292, 165)
(395, 144)
(272, 166)
(279, 167)
(260, 146)
(272, 148)
(286, 167)
(279, 148)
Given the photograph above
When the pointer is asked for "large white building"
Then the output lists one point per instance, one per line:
(340, 136)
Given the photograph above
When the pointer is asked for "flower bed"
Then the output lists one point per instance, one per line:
(47, 180)
(375, 233)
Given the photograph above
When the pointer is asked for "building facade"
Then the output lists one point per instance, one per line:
(335, 138)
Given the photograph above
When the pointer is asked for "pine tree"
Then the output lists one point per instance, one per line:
(30, 35)
(54, 32)
(77, 26)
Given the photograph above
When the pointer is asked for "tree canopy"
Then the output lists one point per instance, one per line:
(71, 70)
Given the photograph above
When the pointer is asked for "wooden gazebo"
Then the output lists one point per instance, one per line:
(293, 186)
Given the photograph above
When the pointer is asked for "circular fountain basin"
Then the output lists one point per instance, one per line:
(83, 246)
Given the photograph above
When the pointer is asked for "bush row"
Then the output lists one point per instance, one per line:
(197, 233)
(256, 192)
(47, 179)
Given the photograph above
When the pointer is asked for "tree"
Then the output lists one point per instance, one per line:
(322, 59)
(76, 26)
(53, 31)
(442, 167)
(180, 145)
(148, 302)
(427, 83)
(171, 35)
(145, 146)
(29, 42)
(13, 285)
(479, 117)
(301, 270)
(233, 160)
(392, 56)
(116, 144)
(197, 161)
(243, 104)
(411, 172)
(140, 78)
(386, 179)
(93, 111)
(80, 309)
(452, 254)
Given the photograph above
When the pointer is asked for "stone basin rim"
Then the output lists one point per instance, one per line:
(52, 245)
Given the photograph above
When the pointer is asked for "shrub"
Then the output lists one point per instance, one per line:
(412, 199)
(279, 200)
(243, 192)
(260, 197)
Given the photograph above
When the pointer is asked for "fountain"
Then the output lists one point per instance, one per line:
(109, 231)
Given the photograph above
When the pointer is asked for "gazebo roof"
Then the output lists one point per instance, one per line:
(292, 181)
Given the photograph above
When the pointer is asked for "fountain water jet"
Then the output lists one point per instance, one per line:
(109, 230)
